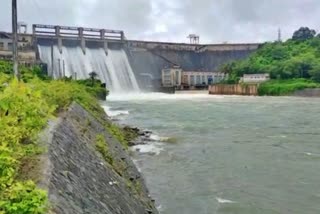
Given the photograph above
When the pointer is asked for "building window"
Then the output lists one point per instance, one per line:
(192, 79)
(204, 82)
(186, 79)
(198, 80)
(1, 45)
(177, 77)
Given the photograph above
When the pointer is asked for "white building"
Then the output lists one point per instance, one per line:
(175, 77)
(195, 78)
(24, 41)
(171, 77)
(255, 78)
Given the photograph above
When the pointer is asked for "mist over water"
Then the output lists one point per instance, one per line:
(244, 155)
(113, 69)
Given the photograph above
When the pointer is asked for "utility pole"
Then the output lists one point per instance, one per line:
(15, 39)
(279, 35)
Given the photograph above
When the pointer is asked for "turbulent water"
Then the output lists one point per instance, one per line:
(239, 155)
(113, 69)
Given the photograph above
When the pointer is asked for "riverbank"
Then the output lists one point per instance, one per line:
(81, 164)
(91, 171)
(291, 87)
(286, 87)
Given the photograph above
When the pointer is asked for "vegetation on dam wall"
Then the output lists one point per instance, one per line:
(25, 108)
(297, 58)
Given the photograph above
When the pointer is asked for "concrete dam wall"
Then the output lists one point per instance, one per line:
(122, 63)
(144, 61)
(147, 59)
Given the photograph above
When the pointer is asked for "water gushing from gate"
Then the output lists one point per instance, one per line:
(113, 69)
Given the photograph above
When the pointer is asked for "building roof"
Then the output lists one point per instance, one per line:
(4, 35)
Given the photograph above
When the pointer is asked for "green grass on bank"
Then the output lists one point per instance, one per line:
(25, 108)
(285, 87)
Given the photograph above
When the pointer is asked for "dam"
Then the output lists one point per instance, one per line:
(124, 65)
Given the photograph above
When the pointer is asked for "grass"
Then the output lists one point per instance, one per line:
(285, 87)
(102, 148)
(25, 108)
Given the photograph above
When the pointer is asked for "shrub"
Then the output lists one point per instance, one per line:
(25, 108)
(23, 198)
(285, 87)
(102, 148)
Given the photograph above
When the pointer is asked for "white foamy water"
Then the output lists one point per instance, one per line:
(312, 154)
(151, 148)
(224, 201)
(154, 137)
(159, 96)
(113, 69)
(114, 113)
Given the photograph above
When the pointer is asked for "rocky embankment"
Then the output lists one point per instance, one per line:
(309, 92)
(81, 181)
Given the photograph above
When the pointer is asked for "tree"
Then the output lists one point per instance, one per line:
(304, 33)
(315, 72)
(93, 75)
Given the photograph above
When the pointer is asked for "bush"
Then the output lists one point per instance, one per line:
(102, 148)
(25, 108)
(285, 87)
(23, 198)
(24, 113)
(288, 60)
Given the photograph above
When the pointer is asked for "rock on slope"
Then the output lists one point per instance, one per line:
(81, 181)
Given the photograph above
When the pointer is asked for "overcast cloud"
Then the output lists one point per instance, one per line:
(172, 20)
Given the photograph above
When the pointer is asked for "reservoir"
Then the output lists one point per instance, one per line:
(244, 155)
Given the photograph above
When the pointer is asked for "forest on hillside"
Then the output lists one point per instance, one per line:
(298, 57)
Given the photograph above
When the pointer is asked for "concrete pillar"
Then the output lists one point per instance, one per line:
(122, 36)
(102, 34)
(105, 43)
(82, 40)
(34, 30)
(60, 44)
(105, 46)
(57, 31)
(34, 39)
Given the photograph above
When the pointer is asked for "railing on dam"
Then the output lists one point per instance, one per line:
(152, 45)
(61, 33)
(76, 32)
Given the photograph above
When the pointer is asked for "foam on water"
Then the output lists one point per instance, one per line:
(154, 137)
(151, 148)
(224, 201)
(114, 113)
(159, 96)
(312, 154)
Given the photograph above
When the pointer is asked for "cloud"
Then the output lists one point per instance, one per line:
(172, 20)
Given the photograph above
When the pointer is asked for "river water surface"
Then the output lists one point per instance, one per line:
(237, 155)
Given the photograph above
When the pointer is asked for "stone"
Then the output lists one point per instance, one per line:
(80, 181)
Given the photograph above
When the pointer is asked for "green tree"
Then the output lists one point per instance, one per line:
(315, 72)
(304, 33)
(93, 75)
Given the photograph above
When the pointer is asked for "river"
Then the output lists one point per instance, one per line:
(235, 155)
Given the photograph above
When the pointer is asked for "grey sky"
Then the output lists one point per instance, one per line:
(172, 20)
